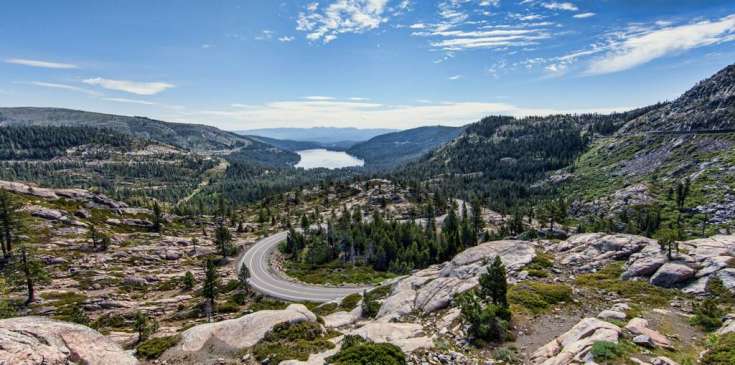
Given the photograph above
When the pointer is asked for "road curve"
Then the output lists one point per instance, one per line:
(263, 279)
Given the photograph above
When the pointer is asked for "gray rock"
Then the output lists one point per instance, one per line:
(728, 278)
(575, 344)
(235, 334)
(671, 274)
(45, 213)
(644, 340)
(39, 340)
(433, 288)
(612, 314)
(590, 251)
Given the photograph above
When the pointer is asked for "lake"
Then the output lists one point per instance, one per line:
(311, 159)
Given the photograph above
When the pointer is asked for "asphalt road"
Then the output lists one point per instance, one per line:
(264, 280)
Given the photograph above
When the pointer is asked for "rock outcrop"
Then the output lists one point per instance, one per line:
(237, 333)
(704, 258)
(574, 345)
(433, 288)
(590, 251)
(39, 340)
(639, 327)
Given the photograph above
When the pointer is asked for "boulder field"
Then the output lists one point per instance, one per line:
(689, 267)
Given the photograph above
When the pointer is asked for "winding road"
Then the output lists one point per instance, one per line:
(265, 280)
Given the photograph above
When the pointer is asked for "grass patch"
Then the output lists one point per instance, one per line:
(335, 273)
(722, 351)
(64, 303)
(536, 297)
(641, 292)
(267, 304)
(291, 341)
(153, 348)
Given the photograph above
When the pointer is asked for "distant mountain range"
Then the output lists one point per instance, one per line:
(327, 136)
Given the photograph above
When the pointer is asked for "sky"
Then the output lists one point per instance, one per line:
(242, 65)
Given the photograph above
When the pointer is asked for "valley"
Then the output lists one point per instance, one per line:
(558, 239)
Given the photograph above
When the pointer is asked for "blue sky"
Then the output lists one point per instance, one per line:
(363, 63)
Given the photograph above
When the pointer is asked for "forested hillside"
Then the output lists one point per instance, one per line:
(187, 136)
(500, 159)
(392, 149)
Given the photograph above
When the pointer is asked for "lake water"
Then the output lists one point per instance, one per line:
(311, 159)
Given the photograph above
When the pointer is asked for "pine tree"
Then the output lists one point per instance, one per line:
(188, 280)
(144, 325)
(8, 223)
(157, 217)
(210, 287)
(493, 283)
(222, 238)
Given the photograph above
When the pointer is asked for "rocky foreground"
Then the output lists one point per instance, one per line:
(622, 289)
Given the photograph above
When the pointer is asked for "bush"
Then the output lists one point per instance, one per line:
(537, 297)
(488, 323)
(722, 351)
(507, 355)
(292, 341)
(708, 315)
(603, 351)
(350, 302)
(370, 305)
(188, 281)
(153, 348)
(367, 353)
(638, 291)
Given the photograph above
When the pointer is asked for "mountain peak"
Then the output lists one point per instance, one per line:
(708, 106)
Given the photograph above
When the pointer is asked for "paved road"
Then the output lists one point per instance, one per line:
(264, 280)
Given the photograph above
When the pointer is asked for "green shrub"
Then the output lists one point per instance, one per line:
(507, 355)
(722, 352)
(537, 297)
(708, 315)
(350, 302)
(291, 341)
(153, 348)
(638, 291)
(188, 281)
(487, 323)
(370, 305)
(366, 353)
(326, 309)
(603, 351)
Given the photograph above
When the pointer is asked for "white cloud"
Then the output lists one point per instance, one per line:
(52, 85)
(130, 101)
(641, 45)
(264, 35)
(359, 99)
(560, 6)
(285, 39)
(417, 26)
(341, 16)
(318, 98)
(41, 64)
(455, 77)
(584, 15)
(344, 113)
(133, 87)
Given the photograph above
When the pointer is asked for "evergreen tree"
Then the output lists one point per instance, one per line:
(188, 280)
(493, 283)
(222, 238)
(8, 223)
(210, 287)
(157, 217)
(144, 325)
